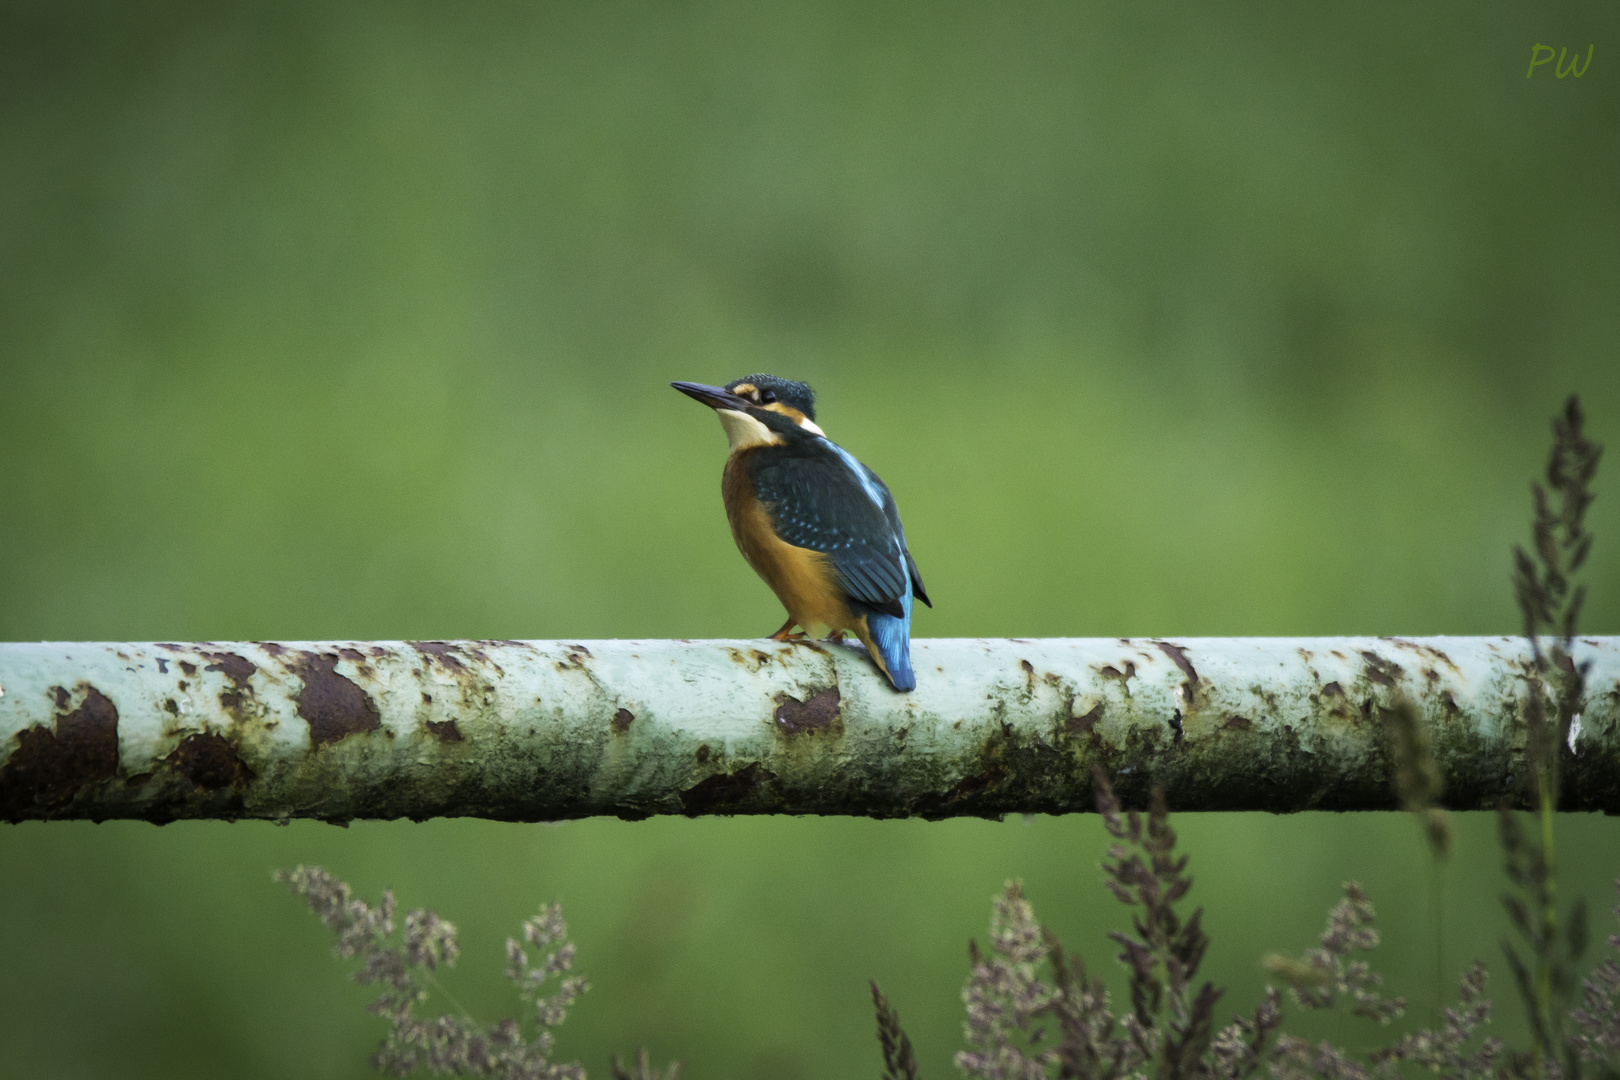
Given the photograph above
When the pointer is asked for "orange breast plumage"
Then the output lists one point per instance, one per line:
(802, 579)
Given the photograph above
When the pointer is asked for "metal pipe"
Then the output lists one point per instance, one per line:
(545, 730)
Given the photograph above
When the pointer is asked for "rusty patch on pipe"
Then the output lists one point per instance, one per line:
(444, 730)
(820, 713)
(752, 659)
(1179, 658)
(48, 768)
(1082, 725)
(238, 669)
(210, 762)
(443, 652)
(1424, 650)
(1381, 671)
(723, 791)
(1238, 723)
(622, 719)
(333, 706)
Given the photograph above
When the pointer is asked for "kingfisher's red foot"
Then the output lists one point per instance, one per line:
(784, 635)
(834, 638)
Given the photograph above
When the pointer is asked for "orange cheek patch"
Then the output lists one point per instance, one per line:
(786, 410)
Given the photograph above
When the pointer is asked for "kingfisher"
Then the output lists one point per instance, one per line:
(816, 524)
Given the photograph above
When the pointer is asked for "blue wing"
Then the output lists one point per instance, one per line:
(819, 497)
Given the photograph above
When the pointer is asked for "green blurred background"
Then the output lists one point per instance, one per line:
(355, 321)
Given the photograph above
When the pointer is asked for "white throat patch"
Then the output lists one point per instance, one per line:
(743, 431)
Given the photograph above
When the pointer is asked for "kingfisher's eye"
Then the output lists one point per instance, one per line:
(767, 396)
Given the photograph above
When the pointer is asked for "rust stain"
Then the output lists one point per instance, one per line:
(1179, 658)
(238, 670)
(1332, 689)
(796, 717)
(622, 719)
(1112, 672)
(333, 706)
(210, 762)
(1423, 650)
(443, 652)
(48, 768)
(1381, 671)
(1238, 723)
(722, 791)
(189, 668)
(1082, 725)
(444, 730)
(361, 662)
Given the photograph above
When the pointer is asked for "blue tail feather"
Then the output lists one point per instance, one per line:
(892, 637)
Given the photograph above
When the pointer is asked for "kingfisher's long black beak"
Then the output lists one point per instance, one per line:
(715, 397)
